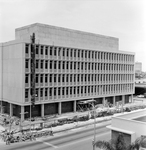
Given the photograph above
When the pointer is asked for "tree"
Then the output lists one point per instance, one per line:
(139, 142)
(118, 144)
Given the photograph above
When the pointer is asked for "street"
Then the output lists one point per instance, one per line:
(76, 139)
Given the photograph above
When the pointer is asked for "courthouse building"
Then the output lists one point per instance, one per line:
(71, 66)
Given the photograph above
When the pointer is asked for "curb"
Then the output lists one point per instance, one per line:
(82, 125)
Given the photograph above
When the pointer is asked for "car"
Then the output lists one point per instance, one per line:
(140, 96)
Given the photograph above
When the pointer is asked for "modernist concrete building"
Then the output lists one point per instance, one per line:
(138, 67)
(70, 66)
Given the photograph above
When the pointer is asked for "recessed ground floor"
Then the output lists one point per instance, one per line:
(45, 109)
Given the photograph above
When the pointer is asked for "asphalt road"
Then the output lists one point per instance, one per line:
(76, 139)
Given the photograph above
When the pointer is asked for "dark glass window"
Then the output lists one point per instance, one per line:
(26, 93)
(42, 50)
(27, 48)
(51, 51)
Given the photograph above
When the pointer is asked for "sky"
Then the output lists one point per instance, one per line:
(124, 19)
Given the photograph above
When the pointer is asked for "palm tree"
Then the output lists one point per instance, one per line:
(139, 142)
(118, 144)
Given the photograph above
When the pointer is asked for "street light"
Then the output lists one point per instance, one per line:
(94, 111)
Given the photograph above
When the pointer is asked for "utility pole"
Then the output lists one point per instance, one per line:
(32, 77)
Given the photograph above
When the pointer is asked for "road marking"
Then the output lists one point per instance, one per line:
(47, 143)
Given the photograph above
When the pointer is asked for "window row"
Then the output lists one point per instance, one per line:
(53, 78)
(78, 53)
(80, 90)
(67, 65)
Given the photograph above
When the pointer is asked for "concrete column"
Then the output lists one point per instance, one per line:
(75, 107)
(11, 109)
(103, 101)
(131, 98)
(59, 108)
(123, 100)
(42, 110)
(22, 113)
(114, 100)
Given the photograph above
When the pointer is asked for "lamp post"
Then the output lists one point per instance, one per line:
(94, 126)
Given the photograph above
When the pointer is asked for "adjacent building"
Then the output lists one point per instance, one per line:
(132, 125)
(71, 66)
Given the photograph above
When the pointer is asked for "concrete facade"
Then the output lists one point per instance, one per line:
(52, 35)
(77, 66)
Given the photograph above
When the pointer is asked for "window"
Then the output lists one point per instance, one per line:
(67, 52)
(27, 63)
(55, 65)
(89, 54)
(89, 66)
(88, 78)
(59, 91)
(67, 78)
(26, 93)
(50, 92)
(78, 78)
(41, 64)
(41, 78)
(27, 48)
(37, 64)
(37, 78)
(46, 78)
(78, 90)
(51, 50)
(46, 92)
(82, 65)
(41, 92)
(63, 92)
(63, 78)
(46, 64)
(74, 65)
(74, 53)
(50, 78)
(85, 54)
(55, 91)
(74, 78)
(26, 78)
(78, 65)
(55, 51)
(70, 90)
(66, 90)
(63, 65)
(67, 65)
(70, 78)
(82, 53)
(37, 50)
(92, 54)
(50, 64)
(74, 90)
(55, 78)
(63, 52)
(42, 47)
(70, 65)
(46, 50)
(78, 53)
(59, 77)
(59, 65)
(71, 53)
